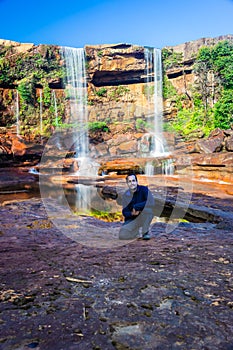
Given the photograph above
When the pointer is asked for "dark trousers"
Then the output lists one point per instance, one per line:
(130, 228)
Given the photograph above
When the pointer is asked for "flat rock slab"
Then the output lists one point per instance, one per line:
(172, 292)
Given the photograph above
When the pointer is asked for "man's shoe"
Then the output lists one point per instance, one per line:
(146, 236)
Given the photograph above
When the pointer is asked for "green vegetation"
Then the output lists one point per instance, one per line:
(101, 92)
(26, 91)
(141, 124)
(100, 53)
(27, 72)
(168, 89)
(35, 64)
(118, 92)
(223, 112)
(201, 108)
(98, 125)
(171, 58)
(106, 215)
(148, 90)
(211, 103)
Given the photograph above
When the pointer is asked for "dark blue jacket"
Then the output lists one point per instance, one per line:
(138, 200)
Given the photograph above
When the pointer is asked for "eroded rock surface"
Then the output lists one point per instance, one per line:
(172, 292)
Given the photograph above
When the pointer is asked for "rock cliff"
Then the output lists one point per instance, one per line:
(117, 78)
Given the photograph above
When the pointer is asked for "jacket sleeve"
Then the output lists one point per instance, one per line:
(147, 200)
(127, 213)
(127, 208)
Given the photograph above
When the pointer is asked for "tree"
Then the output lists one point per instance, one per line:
(224, 110)
(222, 62)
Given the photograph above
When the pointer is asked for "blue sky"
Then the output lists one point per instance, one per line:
(155, 23)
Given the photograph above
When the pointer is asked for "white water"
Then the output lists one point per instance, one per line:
(41, 112)
(154, 81)
(149, 169)
(54, 102)
(168, 167)
(76, 85)
(17, 113)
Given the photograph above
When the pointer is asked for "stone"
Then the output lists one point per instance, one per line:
(214, 143)
(127, 147)
(229, 143)
(154, 294)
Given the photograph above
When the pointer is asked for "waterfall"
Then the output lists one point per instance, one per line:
(54, 102)
(154, 143)
(149, 169)
(41, 111)
(154, 92)
(76, 85)
(17, 113)
(158, 102)
(168, 167)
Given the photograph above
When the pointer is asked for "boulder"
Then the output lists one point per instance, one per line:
(229, 143)
(214, 143)
(128, 147)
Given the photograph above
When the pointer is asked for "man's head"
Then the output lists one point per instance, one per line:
(132, 182)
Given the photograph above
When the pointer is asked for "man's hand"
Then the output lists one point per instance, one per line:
(135, 212)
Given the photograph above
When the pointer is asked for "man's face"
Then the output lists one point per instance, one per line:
(132, 183)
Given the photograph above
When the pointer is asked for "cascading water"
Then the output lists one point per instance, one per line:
(17, 113)
(154, 83)
(41, 112)
(76, 85)
(54, 103)
(155, 89)
(56, 121)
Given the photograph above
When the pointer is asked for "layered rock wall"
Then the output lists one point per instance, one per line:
(117, 91)
(116, 75)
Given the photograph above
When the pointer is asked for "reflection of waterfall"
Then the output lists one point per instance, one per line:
(87, 168)
(74, 60)
(17, 113)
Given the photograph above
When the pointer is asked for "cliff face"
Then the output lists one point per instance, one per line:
(116, 80)
(181, 74)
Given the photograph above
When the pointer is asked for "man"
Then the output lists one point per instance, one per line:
(137, 203)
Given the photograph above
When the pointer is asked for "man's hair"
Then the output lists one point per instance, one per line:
(130, 174)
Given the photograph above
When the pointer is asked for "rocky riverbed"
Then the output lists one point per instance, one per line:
(173, 292)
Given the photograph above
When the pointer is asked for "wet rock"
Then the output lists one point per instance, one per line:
(174, 291)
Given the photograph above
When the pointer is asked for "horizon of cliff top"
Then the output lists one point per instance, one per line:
(203, 39)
